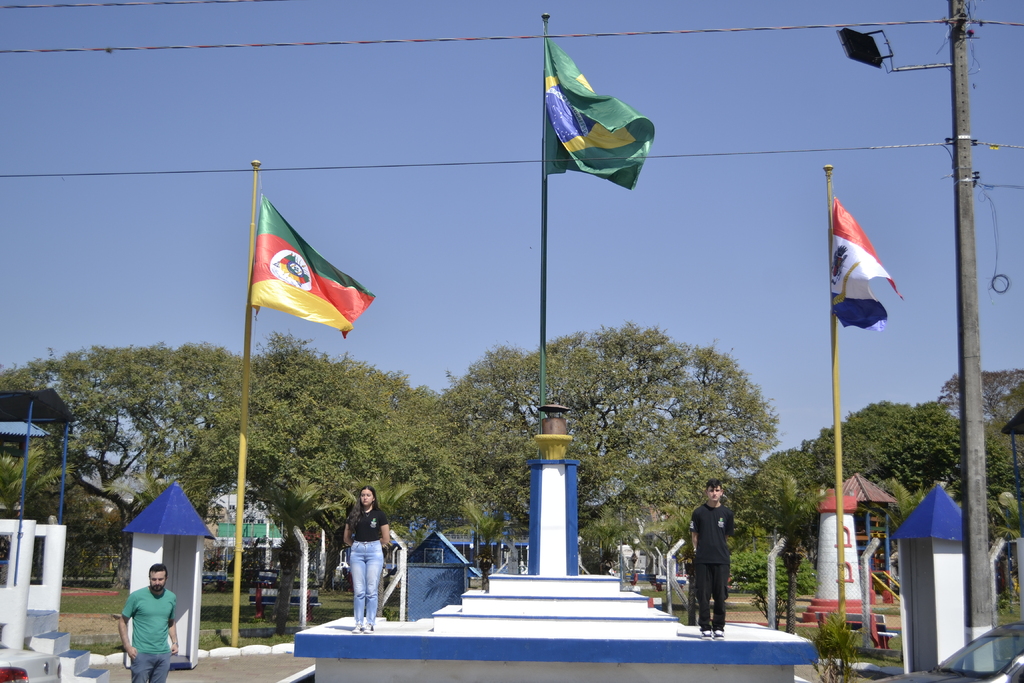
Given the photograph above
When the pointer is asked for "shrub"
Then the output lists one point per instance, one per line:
(750, 575)
(837, 650)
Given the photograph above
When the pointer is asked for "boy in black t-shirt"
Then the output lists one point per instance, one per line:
(710, 524)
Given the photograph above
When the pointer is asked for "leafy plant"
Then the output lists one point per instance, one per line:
(837, 650)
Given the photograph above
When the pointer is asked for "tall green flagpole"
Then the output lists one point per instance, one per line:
(544, 240)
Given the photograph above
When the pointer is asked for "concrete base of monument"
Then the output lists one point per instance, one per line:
(413, 652)
(551, 630)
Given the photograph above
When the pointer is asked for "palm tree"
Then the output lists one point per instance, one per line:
(906, 502)
(1006, 513)
(295, 506)
(391, 496)
(487, 529)
(607, 532)
(792, 515)
(39, 483)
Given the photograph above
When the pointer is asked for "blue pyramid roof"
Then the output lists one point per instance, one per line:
(936, 517)
(170, 514)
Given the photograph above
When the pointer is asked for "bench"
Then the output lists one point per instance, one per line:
(880, 634)
(268, 596)
(219, 578)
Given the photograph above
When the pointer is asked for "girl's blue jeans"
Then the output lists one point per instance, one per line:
(367, 560)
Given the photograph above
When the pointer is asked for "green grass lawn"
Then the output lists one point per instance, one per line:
(215, 611)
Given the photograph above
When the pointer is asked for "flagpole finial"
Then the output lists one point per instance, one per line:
(545, 16)
(255, 164)
(828, 169)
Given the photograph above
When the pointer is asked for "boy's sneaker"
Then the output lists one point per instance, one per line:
(358, 629)
(719, 635)
(706, 635)
(368, 628)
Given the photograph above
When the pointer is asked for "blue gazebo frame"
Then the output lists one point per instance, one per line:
(31, 407)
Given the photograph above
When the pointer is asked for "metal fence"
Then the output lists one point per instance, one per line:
(433, 586)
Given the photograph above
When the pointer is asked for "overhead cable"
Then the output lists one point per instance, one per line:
(390, 41)
(441, 164)
(132, 4)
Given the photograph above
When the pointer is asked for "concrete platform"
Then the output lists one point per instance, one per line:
(399, 652)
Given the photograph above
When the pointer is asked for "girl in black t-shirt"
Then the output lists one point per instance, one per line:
(366, 530)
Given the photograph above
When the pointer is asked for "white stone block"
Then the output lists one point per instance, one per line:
(225, 652)
(256, 650)
(283, 649)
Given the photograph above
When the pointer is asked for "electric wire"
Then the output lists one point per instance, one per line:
(391, 41)
(444, 164)
(132, 4)
(1000, 283)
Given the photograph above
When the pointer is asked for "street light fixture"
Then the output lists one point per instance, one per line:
(861, 47)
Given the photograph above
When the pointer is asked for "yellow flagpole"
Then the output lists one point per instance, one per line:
(837, 425)
(243, 431)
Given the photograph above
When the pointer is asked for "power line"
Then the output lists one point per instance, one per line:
(133, 4)
(391, 41)
(444, 164)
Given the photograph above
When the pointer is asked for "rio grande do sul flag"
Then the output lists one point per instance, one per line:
(854, 263)
(290, 276)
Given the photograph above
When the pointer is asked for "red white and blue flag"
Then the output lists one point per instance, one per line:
(854, 263)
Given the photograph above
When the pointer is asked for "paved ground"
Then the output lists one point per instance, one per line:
(244, 669)
(274, 668)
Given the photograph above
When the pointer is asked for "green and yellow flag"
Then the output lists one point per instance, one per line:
(290, 276)
(589, 132)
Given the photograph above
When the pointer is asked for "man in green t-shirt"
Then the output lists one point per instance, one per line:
(151, 611)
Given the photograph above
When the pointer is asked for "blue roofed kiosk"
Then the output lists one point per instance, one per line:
(170, 531)
(932, 581)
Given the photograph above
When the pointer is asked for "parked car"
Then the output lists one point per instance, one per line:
(996, 657)
(28, 666)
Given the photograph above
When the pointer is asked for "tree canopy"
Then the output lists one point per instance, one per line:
(651, 418)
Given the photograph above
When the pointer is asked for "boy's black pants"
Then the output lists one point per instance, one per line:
(711, 580)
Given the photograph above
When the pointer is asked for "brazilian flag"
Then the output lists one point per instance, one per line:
(589, 132)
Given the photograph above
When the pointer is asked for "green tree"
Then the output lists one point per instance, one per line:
(917, 445)
(137, 410)
(792, 513)
(342, 423)
(296, 507)
(651, 418)
(338, 420)
(40, 486)
(1002, 397)
(488, 528)
(906, 502)
(1001, 394)
(1007, 515)
(749, 573)
(607, 533)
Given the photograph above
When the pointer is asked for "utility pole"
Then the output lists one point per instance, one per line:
(978, 574)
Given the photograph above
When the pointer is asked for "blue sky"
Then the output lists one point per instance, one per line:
(729, 250)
